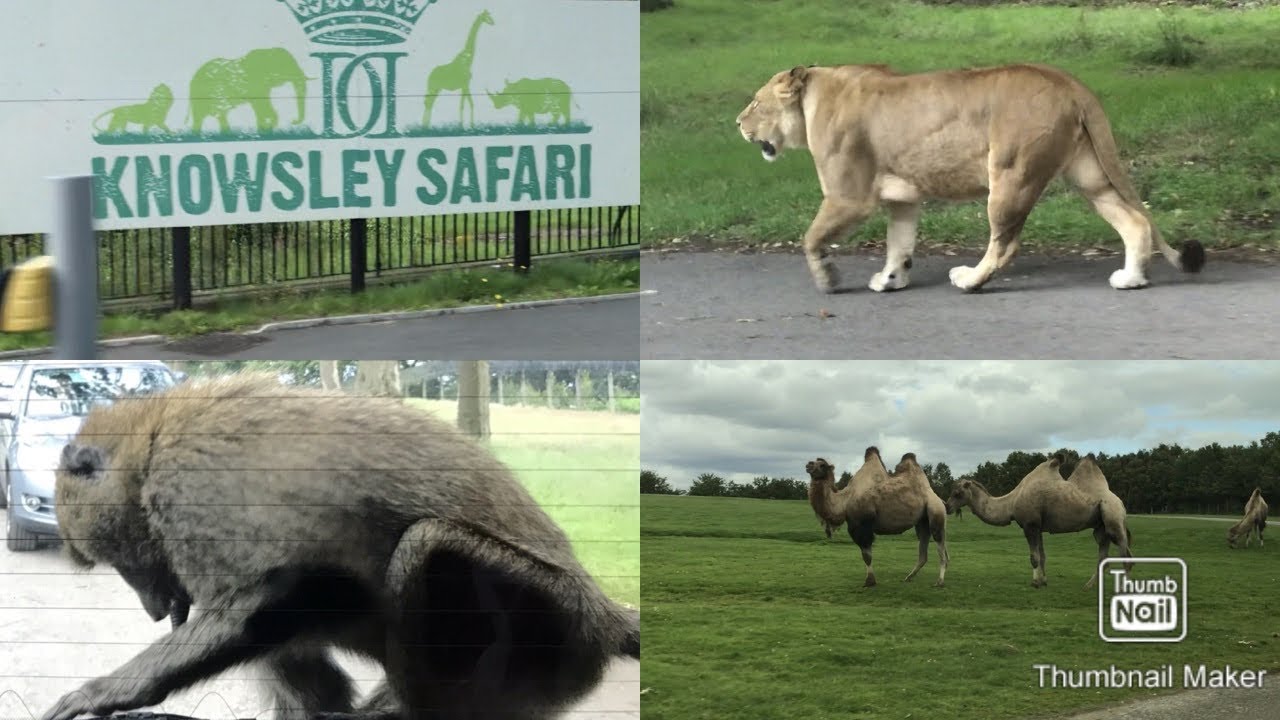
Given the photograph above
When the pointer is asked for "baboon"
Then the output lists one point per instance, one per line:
(297, 520)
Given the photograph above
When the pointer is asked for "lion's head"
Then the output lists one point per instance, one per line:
(774, 119)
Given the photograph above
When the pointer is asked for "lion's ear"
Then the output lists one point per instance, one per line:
(794, 82)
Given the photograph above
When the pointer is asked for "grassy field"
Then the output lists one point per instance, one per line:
(581, 466)
(1201, 137)
(547, 279)
(751, 613)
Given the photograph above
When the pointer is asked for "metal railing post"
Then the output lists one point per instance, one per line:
(359, 253)
(522, 247)
(75, 260)
(182, 268)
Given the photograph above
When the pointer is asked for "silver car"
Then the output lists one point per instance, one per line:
(41, 407)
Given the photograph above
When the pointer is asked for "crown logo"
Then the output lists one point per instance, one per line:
(357, 22)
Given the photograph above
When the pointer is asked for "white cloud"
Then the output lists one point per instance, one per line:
(743, 419)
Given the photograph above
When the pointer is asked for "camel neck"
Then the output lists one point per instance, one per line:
(992, 510)
(822, 495)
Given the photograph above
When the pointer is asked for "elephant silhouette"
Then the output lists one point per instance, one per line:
(223, 84)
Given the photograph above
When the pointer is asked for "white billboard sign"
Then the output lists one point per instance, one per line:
(206, 112)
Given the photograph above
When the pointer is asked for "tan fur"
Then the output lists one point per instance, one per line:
(877, 502)
(1044, 503)
(1253, 523)
(257, 502)
(879, 137)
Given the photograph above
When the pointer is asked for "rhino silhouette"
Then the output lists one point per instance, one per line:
(532, 97)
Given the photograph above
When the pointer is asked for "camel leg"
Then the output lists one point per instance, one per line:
(871, 574)
(1104, 551)
(922, 534)
(1034, 539)
(864, 536)
(944, 555)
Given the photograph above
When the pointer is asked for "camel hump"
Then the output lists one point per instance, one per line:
(871, 451)
(908, 457)
(1057, 460)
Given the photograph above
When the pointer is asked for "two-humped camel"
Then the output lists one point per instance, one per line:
(877, 502)
(1254, 522)
(1045, 503)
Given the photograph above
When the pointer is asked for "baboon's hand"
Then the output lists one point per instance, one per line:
(101, 696)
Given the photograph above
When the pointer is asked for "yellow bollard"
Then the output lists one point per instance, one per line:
(27, 304)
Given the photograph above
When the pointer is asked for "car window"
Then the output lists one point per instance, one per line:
(62, 392)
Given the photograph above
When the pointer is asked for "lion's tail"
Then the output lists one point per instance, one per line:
(1191, 258)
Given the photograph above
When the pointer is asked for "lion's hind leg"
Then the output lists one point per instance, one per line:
(900, 243)
(1089, 177)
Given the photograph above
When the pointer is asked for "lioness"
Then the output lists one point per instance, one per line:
(880, 136)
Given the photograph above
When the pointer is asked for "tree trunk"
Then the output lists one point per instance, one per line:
(551, 386)
(613, 407)
(380, 378)
(473, 398)
(329, 377)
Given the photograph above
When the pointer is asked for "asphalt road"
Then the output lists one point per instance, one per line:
(59, 628)
(1254, 704)
(725, 305)
(599, 330)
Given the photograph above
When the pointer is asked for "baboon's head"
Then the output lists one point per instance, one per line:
(819, 469)
(100, 520)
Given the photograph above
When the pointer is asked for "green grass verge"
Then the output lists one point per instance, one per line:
(751, 613)
(1200, 137)
(444, 289)
(581, 466)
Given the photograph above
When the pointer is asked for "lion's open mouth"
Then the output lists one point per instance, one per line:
(768, 150)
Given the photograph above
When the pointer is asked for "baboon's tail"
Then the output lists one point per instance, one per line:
(1191, 258)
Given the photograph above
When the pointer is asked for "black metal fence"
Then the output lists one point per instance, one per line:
(179, 264)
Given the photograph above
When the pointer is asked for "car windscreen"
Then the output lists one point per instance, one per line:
(63, 392)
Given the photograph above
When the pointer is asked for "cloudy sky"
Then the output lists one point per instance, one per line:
(749, 418)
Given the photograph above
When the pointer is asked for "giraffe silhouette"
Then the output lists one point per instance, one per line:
(456, 75)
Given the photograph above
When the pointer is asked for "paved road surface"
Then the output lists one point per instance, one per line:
(1254, 704)
(743, 306)
(59, 628)
(606, 330)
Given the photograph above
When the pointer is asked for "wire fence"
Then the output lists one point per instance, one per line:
(163, 265)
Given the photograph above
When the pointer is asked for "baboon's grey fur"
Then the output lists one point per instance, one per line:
(298, 520)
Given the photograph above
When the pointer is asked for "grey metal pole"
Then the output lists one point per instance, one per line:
(75, 261)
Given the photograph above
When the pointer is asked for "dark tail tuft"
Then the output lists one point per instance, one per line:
(1191, 259)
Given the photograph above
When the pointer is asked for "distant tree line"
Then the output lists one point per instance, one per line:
(1164, 479)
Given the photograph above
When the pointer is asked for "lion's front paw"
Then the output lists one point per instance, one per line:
(824, 274)
(886, 280)
(966, 278)
(1125, 279)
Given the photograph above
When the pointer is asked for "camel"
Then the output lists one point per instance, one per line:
(876, 502)
(456, 75)
(1254, 522)
(1044, 503)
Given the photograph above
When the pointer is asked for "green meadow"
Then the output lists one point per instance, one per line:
(1192, 94)
(581, 466)
(750, 613)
